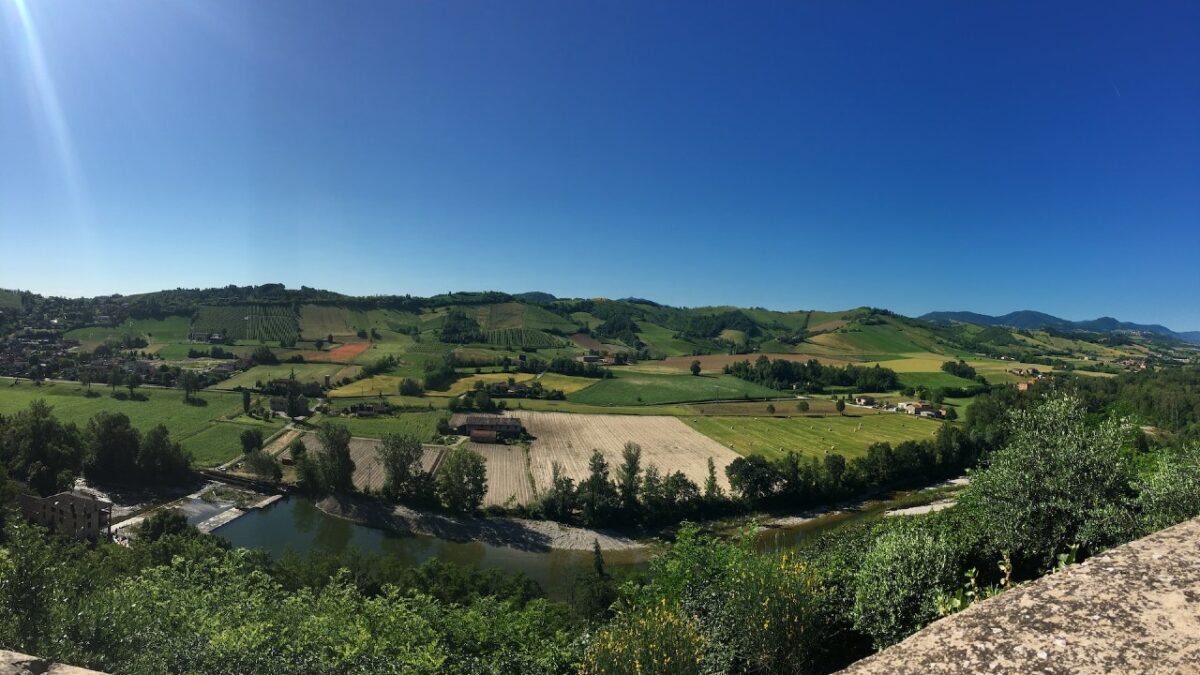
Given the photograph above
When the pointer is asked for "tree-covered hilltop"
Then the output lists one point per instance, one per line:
(644, 327)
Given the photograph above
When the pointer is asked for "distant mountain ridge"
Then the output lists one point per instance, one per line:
(1031, 320)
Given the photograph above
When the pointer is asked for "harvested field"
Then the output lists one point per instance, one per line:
(368, 470)
(586, 341)
(507, 474)
(666, 442)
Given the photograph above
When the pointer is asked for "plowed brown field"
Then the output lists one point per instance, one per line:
(666, 443)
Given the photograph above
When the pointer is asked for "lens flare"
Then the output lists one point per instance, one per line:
(45, 106)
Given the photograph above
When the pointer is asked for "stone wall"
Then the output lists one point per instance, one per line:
(1134, 609)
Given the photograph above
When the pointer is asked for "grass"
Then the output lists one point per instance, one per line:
(422, 425)
(662, 340)
(773, 437)
(170, 329)
(936, 380)
(305, 372)
(634, 388)
(191, 425)
(320, 321)
(872, 339)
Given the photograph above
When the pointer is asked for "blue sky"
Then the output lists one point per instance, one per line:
(914, 156)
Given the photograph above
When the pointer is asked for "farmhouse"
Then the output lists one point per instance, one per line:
(864, 400)
(75, 514)
(588, 358)
(915, 408)
(499, 425)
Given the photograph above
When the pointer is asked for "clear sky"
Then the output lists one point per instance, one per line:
(988, 156)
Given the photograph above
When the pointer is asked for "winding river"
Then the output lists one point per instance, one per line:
(295, 523)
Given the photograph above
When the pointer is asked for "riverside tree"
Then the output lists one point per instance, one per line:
(462, 480)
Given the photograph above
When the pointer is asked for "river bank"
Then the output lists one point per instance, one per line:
(518, 533)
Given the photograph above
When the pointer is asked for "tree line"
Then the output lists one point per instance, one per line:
(813, 376)
(47, 455)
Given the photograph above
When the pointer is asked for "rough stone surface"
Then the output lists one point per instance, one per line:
(12, 663)
(1134, 609)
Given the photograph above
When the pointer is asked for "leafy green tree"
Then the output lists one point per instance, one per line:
(189, 382)
(334, 464)
(1059, 481)
(770, 408)
(628, 476)
(951, 414)
(252, 439)
(696, 367)
(752, 477)
(802, 406)
(264, 466)
(841, 406)
(245, 401)
(462, 480)
(161, 461)
(401, 456)
(116, 377)
(1170, 494)
(112, 445)
(712, 488)
(132, 382)
(164, 522)
(896, 588)
(39, 449)
(597, 591)
(598, 497)
(559, 502)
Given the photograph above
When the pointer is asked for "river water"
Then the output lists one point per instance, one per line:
(295, 523)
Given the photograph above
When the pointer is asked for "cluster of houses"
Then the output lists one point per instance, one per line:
(920, 409)
(35, 354)
(486, 428)
(1132, 364)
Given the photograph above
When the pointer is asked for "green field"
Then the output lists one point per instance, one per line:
(202, 429)
(934, 380)
(639, 388)
(264, 323)
(662, 340)
(305, 372)
(170, 329)
(422, 425)
(773, 437)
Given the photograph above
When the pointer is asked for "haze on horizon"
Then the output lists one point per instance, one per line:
(932, 156)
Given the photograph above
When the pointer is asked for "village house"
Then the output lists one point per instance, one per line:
(75, 514)
(864, 400)
(502, 426)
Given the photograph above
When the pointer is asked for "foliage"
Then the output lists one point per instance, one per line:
(813, 376)
(334, 464)
(1171, 492)
(35, 447)
(897, 586)
(1059, 481)
(462, 480)
(458, 328)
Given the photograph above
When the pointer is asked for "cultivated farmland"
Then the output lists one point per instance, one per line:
(507, 474)
(850, 435)
(666, 443)
(248, 322)
(523, 337)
